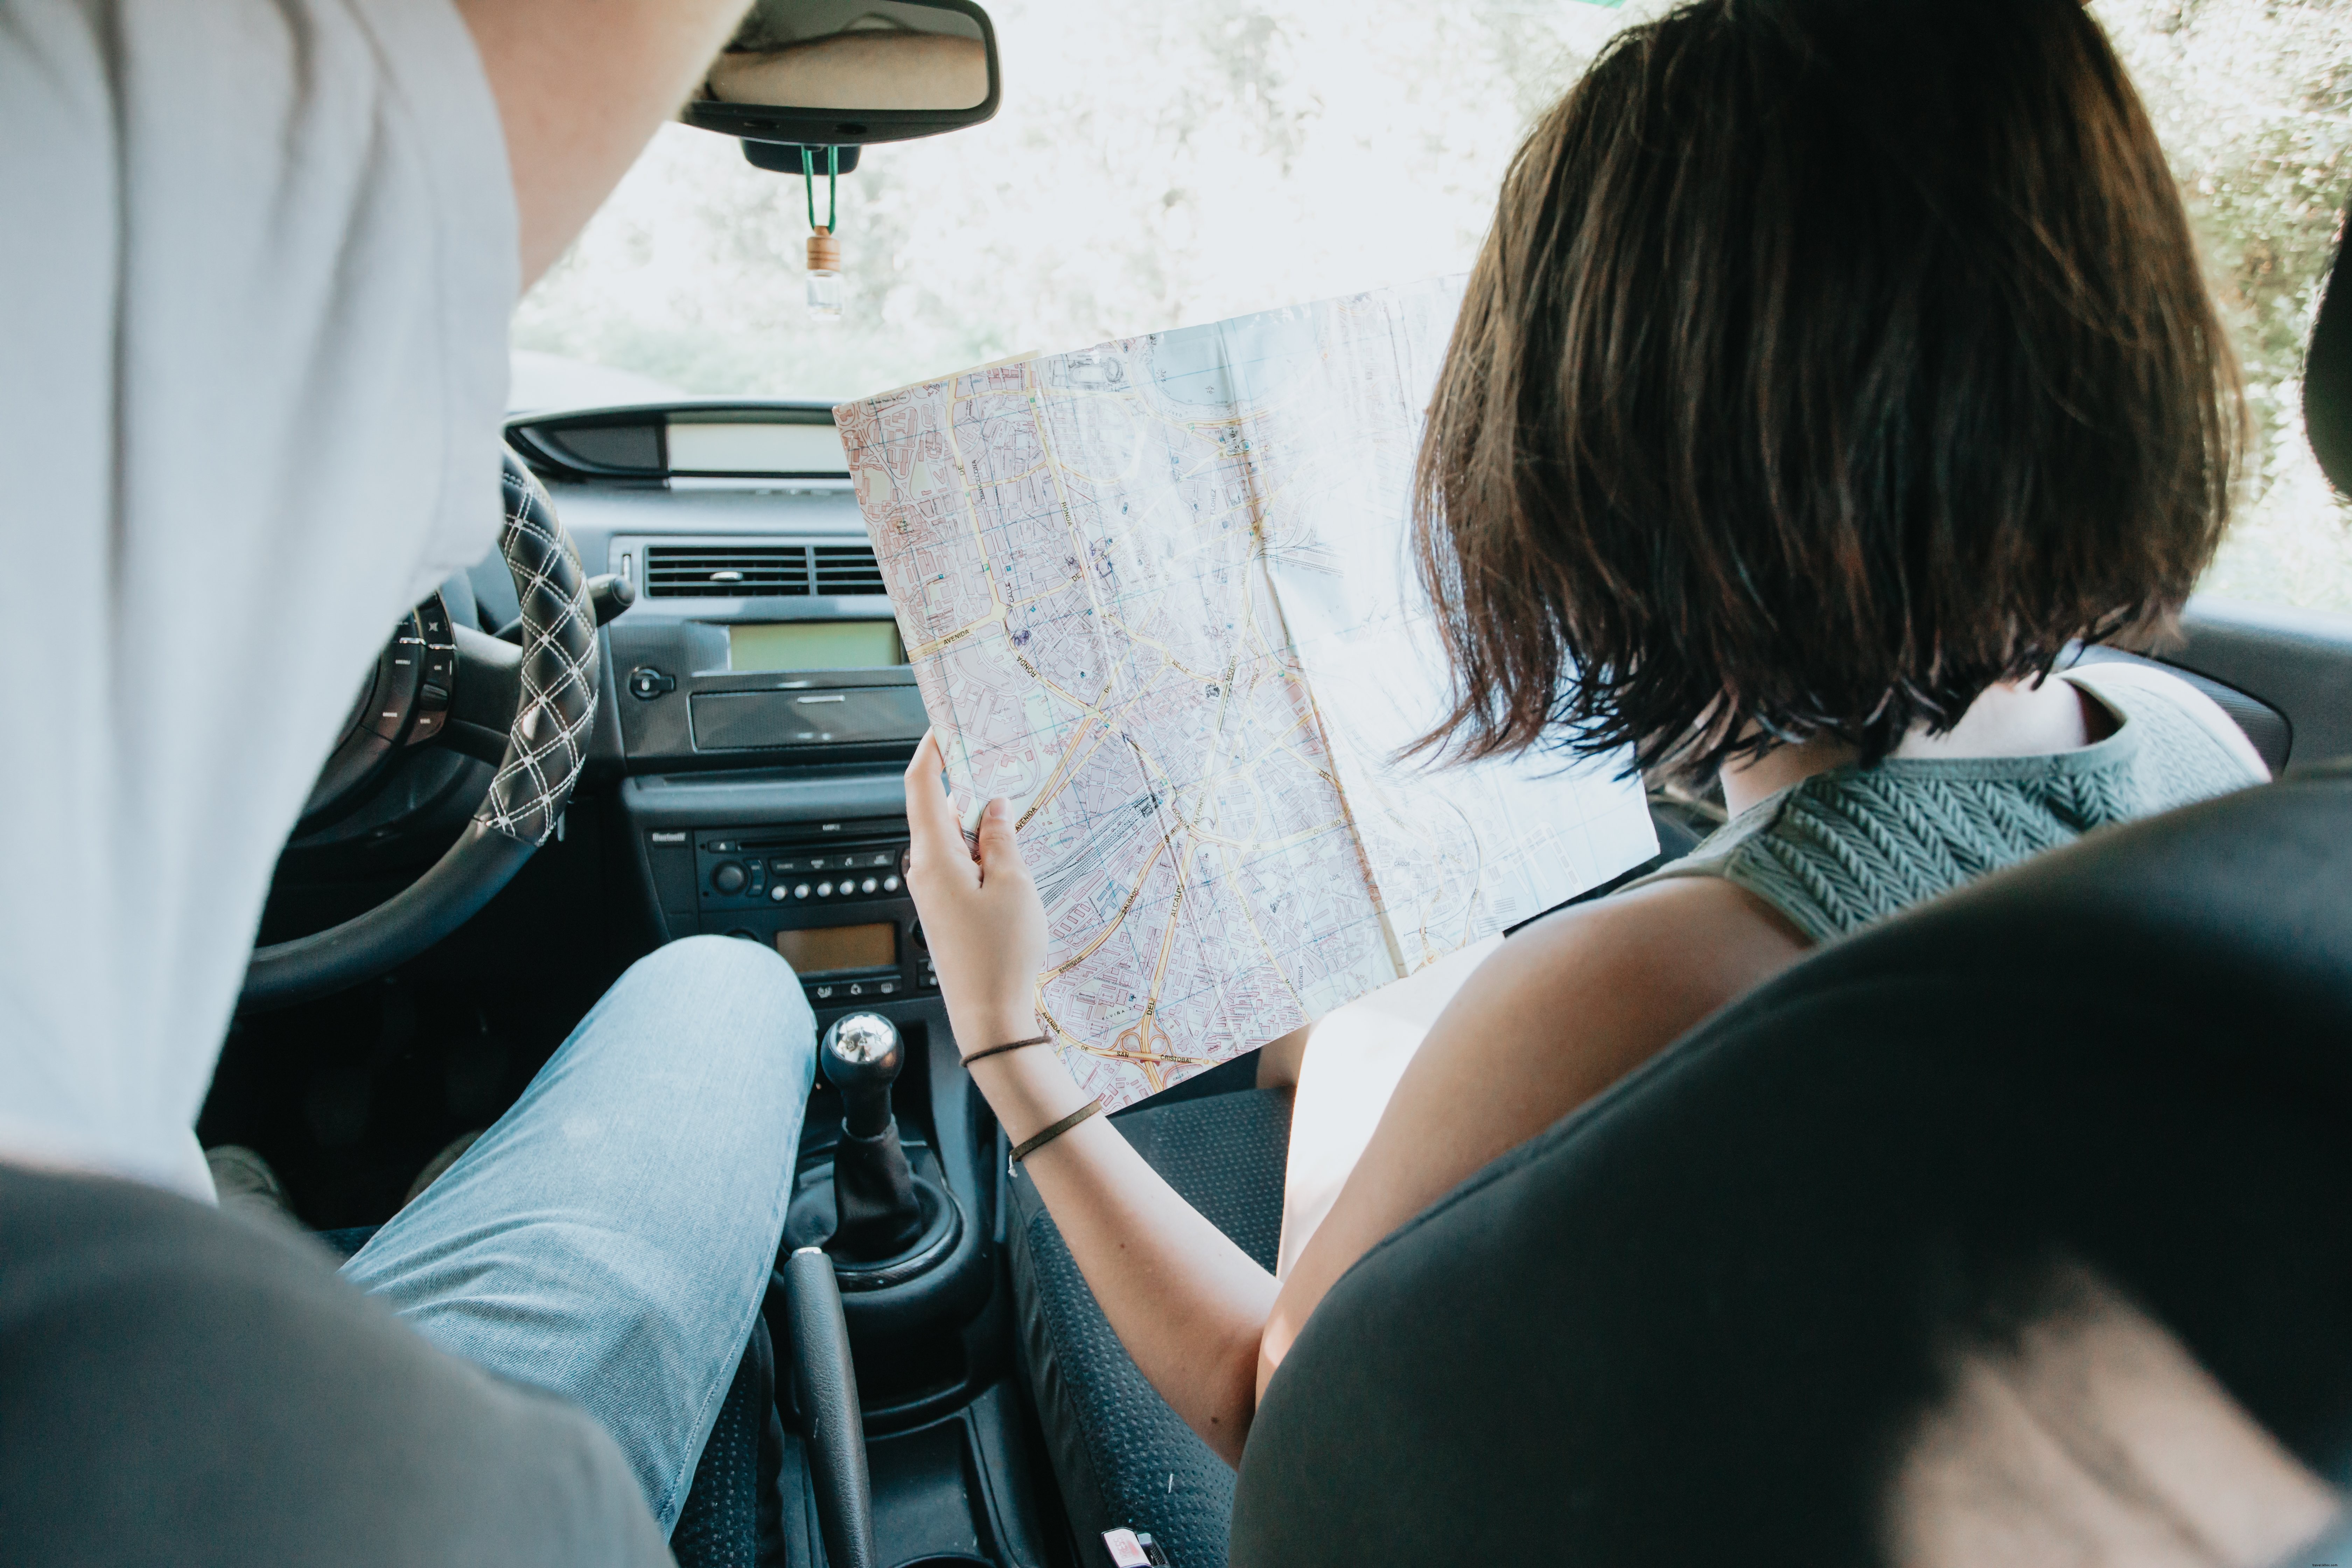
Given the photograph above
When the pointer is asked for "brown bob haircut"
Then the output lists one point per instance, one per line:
(1828, 362)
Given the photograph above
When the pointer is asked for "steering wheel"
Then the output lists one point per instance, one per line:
(408, 699)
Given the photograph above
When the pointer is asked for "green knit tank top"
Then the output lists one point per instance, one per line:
(1853, 846)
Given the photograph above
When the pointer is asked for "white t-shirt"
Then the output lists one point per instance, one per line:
(257, 261)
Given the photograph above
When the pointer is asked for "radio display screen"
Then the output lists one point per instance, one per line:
(831, 949)
(777, 645)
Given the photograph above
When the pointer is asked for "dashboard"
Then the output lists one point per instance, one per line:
(757, 707)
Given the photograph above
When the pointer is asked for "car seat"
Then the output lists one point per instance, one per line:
(1687, 1323)
(1122, 1457)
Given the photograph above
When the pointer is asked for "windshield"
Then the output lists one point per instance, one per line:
(1158, 165)
(1153, 165)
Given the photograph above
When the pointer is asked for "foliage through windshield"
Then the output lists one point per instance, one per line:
(1157, 165)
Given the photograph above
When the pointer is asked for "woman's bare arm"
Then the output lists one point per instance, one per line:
(1564, 1009)
(1184, 1300)
(1187, 1303)
(581, 85)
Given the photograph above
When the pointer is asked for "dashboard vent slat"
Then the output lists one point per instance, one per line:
(847, 569)
(756, 570)
(726, 571)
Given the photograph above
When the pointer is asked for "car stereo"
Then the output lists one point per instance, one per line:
(828, 896)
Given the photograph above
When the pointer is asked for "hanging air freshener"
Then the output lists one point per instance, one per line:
(825, 289)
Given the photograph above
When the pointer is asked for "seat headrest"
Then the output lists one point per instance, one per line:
(1690, 1321)
(2327, 377)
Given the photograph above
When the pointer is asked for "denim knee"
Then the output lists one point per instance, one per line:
(719, 959)
(726, 977)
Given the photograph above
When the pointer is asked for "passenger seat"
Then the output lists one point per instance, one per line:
(1126, 1460)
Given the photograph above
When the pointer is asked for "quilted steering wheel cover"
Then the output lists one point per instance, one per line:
(549, 740)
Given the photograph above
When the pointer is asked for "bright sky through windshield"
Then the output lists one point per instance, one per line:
(1156, 166)
(1153, 165)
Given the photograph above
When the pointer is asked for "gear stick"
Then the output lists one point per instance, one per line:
(877, 1213)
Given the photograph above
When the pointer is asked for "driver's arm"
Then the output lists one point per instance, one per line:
(581, 86)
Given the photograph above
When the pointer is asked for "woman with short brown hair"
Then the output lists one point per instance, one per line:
(1831, 367)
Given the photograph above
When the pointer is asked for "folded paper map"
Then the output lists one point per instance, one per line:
(1158, 594)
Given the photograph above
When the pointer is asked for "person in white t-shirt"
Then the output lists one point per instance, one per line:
(257, 265)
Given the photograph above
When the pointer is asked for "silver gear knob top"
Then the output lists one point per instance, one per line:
(861, 1051)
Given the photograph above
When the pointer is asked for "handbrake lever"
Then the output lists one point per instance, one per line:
(833, 1425)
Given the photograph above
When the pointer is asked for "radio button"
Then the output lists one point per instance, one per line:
(779, 893)
(868, 885)
(825, 889)
(889, 884)
(801, 890)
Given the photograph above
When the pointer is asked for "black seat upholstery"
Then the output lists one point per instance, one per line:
(1123, 1458)
(1687, 1324)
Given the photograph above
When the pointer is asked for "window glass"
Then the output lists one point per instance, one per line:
(2253, 101)
(1159, 165)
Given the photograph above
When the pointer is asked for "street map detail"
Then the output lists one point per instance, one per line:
(1157, 594)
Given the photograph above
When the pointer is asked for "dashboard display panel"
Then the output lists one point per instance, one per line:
(834, 950)
(813, 644)
(732, 448)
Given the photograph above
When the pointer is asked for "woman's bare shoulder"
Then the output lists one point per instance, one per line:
(1675, 944)
(1576, 1000)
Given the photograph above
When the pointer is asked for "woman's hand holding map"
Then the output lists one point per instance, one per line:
(981, 917)
(985, 926)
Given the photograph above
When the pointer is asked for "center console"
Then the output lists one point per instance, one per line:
(758, 715)
(764, 705)
(829, 896)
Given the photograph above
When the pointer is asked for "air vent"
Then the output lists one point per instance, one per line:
(847, 569)
(751, 571)
(726, 571)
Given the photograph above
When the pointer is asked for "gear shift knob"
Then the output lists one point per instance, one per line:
(862, 1055)
(875, 1210)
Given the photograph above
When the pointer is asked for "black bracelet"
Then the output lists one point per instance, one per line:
(998, 1050)
(1029, 1146)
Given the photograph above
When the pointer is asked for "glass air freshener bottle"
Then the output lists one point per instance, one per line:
(826, 290)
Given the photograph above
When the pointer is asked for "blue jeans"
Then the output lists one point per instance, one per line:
(609, 1238)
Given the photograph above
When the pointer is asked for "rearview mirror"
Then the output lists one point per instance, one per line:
(843, 73)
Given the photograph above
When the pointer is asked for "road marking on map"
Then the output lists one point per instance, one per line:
(1156, 594)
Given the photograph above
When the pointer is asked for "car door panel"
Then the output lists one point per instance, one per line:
(2297, 663)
